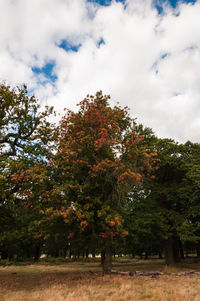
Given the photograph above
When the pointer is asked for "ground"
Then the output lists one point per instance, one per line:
(79, 281)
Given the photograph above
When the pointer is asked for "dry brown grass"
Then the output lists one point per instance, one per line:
(75, 282)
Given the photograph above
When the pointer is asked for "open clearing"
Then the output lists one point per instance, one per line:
(78, 281)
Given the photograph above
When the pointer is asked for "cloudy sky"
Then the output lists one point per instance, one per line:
(144, 53)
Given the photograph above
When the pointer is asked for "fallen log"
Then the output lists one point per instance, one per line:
(121, 273)
(153, 274)
(187, 273)
(137, 273)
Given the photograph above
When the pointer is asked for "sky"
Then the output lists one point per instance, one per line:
(144, 53)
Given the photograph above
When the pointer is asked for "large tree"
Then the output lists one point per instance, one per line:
(100, 159)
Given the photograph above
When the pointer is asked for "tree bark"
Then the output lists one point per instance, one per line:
(28, 255)
(107, 264)
(87, 253)
(102, 257)
(37, 253)
(10, 255)
(169, 254)
(181, 249)
(198, 251)
(160, 255)
(69, 253)
(176, 248)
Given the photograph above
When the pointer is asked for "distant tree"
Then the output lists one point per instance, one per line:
(24, 128)
(144, 220)
(144, 223)
(176, 193)
(190, 230)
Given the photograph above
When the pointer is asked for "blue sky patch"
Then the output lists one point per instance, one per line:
(164, 55)
(100, 42)
(47, 71)
(157, 3)
(175, 2)
(156, 63)
(69, 47)
(106, 2)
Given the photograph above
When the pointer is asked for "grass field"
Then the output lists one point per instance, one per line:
(78, 281)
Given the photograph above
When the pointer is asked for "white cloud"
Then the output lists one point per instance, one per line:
(131, 65)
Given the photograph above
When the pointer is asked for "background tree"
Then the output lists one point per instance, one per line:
(190, 230)
(175, 193)
(24, 128)
(144, 220)
(25, 138)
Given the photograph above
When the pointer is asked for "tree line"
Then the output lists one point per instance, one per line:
(97, 183)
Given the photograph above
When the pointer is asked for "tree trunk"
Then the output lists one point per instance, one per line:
(176, 248)
(28, 255)
(140, 253)
(4, 255)
(10, 255)
(169, 254)
(65, 252)
(107, 264)
(102, 257)
(69, 253)
(37, 253)
(87, 253)
(56, 253)
(181, 249)
(198, 251)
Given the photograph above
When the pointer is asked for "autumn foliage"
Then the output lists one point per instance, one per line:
(100, 158)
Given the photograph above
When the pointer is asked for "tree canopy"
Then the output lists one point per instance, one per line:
(99, 181)
(26, 138)
(100, 159)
